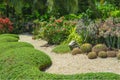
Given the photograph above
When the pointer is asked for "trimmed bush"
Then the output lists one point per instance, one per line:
(12, 35)
(86, 47)
(61, 49)
(8, 39)
(92, 55)
(76, 51)
(99, 47)
(111, 53)
(102, 54)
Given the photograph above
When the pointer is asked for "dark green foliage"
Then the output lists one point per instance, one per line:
(61, 49)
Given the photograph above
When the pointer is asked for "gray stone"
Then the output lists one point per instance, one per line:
(73, 44)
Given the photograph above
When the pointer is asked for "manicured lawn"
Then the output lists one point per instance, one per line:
(20, 61)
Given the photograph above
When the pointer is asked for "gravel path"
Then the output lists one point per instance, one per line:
(69, 64)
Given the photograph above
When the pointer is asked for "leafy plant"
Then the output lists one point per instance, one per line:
(73, 36)
(54, 31)
(5, 25)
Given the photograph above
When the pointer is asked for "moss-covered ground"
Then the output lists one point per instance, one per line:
(20, 61)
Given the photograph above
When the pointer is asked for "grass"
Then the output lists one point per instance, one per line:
(12, 35)
(61, 49)
(8, 39)
(6, 45)
(19, 61)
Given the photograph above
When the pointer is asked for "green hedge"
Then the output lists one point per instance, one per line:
(20, 61)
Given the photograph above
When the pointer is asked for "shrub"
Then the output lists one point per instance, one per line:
(99, 47)
(76, 51)
(102, 54)
(92, 55)
(86, 47)
(61, 49)
(100, 31)
(5, 25)
(73, 36)
(55, 31)
(111, 53)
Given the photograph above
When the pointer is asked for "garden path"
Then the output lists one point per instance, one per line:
(69, 64)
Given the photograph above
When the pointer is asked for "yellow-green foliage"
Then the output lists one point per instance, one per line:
(92, 55)
(76, 51)
(86, 47)
(111, 53)
(118, 56)
(99, 47)
(102, 54)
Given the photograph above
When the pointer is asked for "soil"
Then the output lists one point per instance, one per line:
(72, 64)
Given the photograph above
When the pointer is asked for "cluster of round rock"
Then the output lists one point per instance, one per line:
(99, 50)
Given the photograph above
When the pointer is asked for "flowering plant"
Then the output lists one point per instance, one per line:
(55, 30)
(5, 25)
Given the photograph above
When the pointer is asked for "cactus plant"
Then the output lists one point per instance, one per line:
(92, 55)
(99, 47)
(102, 54)
(86, 47)
(76, 51)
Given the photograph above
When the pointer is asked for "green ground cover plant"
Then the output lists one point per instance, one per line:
(12, 35)
(61, 49)
(29, 63)
(8, 39)
(6, 45)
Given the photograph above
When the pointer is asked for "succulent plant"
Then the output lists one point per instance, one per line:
(86, 47)
(118, 56)
(111, 53)
(102, 54)
(92, 55)
(76, 51)
(99, 47)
